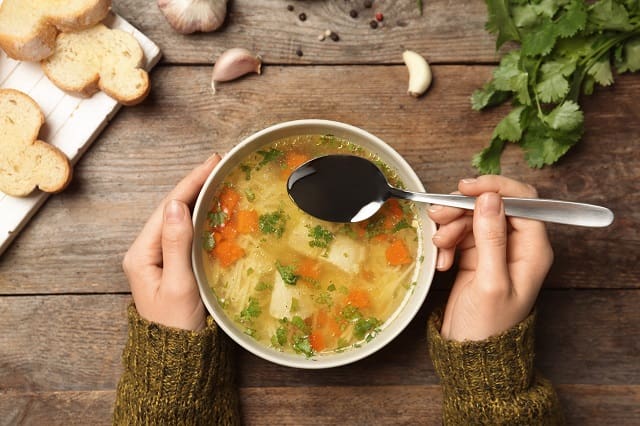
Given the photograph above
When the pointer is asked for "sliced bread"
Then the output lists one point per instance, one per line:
(28, 28)
(25, 162)
(99, 58)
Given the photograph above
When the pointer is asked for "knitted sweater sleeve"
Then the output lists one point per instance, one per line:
(175, 377)
(492, 381)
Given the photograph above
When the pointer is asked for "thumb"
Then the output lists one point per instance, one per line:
(490, 233)
(177, 235)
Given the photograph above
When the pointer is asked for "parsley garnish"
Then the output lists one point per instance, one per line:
(403, 224)
(272, 223)
(252, 311)
(280, 338)
(364, 327)
(216, 218)
(320, 237)
(301, 344)
(565, 49)
(247, 171)
(287, 274)
(268, 156)
(262, 286)
(208, 242)
(250, 195)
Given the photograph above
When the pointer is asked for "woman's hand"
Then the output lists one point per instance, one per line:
(503, 261)
(158, 263)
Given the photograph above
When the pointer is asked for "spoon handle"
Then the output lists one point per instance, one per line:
(546, 210)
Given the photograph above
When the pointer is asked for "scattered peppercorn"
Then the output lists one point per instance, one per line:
(299, 52)
(335, 36)
(373, 24)
(368, 4)
(302, 16)
(353, 13)
(379, 17)
(290, 8)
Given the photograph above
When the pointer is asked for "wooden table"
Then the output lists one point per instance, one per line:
(63, 294)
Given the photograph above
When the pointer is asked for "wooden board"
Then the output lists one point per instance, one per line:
(148, 149)
(445, 33)
(71, 123)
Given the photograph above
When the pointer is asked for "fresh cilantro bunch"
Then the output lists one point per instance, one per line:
(566, 47)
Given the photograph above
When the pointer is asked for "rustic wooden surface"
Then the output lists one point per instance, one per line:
(63, 294)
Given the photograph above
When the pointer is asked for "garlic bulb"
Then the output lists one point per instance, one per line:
(234, 63)
(419, 73)
(188, 16)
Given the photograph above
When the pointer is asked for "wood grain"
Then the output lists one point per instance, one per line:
(73, 343)
(445, 33)
(83, 233)
(356, 405)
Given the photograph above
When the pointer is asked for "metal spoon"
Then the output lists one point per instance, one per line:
(346, 188)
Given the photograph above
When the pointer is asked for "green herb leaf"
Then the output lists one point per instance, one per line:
(402, 224)
(320, 237)
(566, 116)
(262, 286)
(247, 171)
(487, 161)
(268, 156)
(280, 338)
(250, 195)
(252, 311)
(301, 344)
(364, 327)
(510, 128)
(216, 218)
(208, 242)
(299, 323)
(501, 23)
(488, 96)
(272, 223)
(287, 274)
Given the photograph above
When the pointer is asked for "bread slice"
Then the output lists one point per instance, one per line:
(28, 28)
(25, 162)
(99, 58)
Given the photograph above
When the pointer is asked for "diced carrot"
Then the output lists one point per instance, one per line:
(317, 341)
(308, 268)
(398, 254)
(393, 208)
(321, 318)
(229, 200)
(246, 221)
(228, 231)
(366, 274)
(358, 298)
(228, 252)
(292, 161)
(381, 238)
(217, 236)
(333, 326)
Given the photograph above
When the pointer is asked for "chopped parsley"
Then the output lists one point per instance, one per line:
(301, 344)
(268, 156)
(250, 195)
(262, 286)
(272, 223)
(324, 298)
(295, 305)
(332, 287)
(403, 224)
(300, 324)
(247, 171)
(280, 338)
(252, 311)
(208, 242)
(320, 237)
(217, 218)
(287, 274)
(365, 327)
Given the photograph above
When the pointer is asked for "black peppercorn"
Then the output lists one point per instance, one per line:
(290, 8)
(334, 36)
(373, 24)
(368, 4)
(353, 13)
(302, 16)
(299, 52)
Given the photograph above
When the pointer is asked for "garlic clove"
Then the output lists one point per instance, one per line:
(419, 73)
(234, 63)
(189, 16)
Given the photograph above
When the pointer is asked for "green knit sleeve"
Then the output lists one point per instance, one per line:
(175, 377)
(492, 381)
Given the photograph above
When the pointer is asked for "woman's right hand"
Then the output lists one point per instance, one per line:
(503, 260)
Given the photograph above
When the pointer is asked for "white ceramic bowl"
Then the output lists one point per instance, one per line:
(423, 275)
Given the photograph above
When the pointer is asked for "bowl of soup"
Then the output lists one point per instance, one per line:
(296, 290)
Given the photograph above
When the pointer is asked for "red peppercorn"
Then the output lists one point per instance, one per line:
(379, 17)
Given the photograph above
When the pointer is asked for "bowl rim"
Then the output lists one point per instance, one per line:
(395, 325)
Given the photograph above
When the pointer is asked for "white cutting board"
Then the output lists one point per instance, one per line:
(71, 123)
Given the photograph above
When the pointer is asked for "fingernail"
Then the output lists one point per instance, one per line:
(434, 208)
(213, 158)
(468, 180)
(173, 212)
(489, 204)
(436, 237)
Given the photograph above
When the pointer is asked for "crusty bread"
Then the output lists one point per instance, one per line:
(28, 28)
(99, 58)
(25, 162)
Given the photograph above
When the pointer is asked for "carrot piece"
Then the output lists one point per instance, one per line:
(229, 200)
(217, 236)
(246, 221)
(358, 298)
(228, 231)
(292, 161)
(321, 318)
(393, 208)
(317, 341)
(398, 254)
(382, 238)
(308, 268)
(228, 252)
(333, 326)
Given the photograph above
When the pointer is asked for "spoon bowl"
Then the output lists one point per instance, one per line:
(348, 188)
